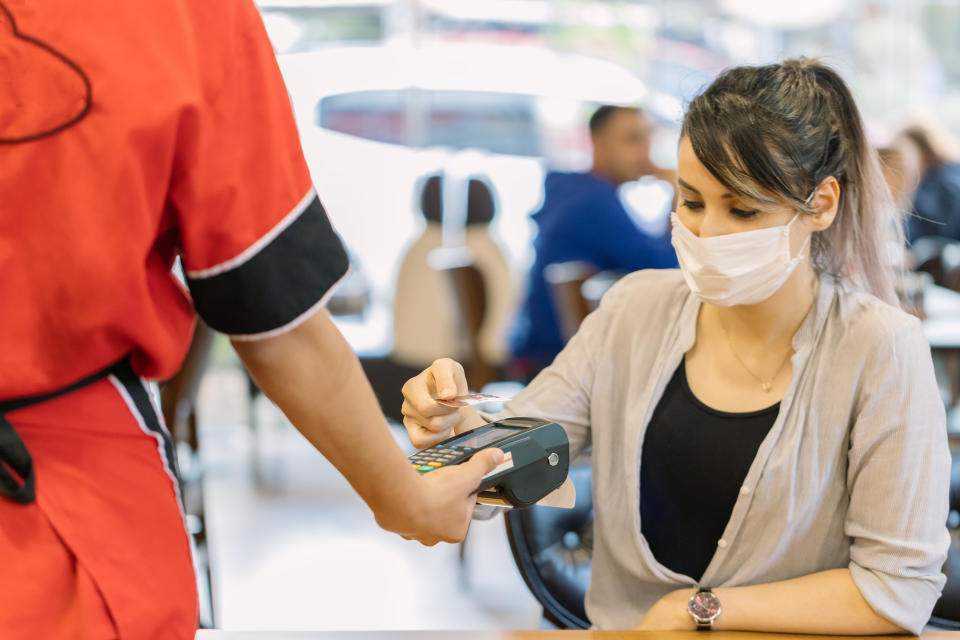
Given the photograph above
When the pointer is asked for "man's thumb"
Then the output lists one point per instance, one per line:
(483, 462)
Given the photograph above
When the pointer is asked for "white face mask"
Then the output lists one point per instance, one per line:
(738, 268)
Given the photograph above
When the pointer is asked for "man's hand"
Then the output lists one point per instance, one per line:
(441, 503)
(313, 376)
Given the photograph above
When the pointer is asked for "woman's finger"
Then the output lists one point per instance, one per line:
(449, 379)
(419, 398)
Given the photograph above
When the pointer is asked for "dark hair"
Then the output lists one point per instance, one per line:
(773, 133)
(602, 116)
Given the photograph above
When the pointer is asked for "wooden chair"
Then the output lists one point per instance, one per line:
(565, 280)
(470, 294)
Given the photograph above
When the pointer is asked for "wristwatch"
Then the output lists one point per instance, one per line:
(704, 607)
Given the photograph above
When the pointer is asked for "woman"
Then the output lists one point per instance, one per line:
(765, 421)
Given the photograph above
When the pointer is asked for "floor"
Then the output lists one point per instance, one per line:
(296, 549)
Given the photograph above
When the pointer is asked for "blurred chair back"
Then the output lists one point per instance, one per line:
(940, 257)
(553, 549)
(565, 280)
(427, 318)
(470, 293)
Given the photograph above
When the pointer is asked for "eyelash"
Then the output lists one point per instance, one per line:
(740, 213)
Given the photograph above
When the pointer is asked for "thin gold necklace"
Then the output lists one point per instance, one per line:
(764, 385)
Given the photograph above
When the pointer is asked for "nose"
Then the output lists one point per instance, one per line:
(708, 225)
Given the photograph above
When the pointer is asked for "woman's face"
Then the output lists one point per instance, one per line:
(707, 208)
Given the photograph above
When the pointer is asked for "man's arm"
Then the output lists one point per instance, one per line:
(311, 373)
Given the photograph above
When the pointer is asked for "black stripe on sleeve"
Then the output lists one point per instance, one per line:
(277, 285)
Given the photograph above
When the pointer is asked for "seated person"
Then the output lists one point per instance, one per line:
(583, 219)
(764, 421)
(936, 201)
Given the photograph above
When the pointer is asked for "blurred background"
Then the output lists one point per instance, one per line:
(429, 127)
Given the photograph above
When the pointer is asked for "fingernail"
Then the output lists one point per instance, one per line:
(447, 392)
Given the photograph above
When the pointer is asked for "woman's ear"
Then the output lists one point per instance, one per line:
(826, 202)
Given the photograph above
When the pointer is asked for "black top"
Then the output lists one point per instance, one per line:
(692, 467)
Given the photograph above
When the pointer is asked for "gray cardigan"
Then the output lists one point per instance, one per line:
(854, 472)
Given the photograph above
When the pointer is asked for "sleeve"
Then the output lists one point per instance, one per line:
(561, 393)
(259, 252)
(898, 481)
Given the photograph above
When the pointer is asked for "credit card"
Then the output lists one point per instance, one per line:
(471, 399)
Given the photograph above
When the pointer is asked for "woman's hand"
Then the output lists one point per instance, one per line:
(669, 613)
(427, 421)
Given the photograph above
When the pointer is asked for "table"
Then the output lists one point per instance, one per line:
(533, 635)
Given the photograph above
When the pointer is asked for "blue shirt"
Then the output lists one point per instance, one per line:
(937, 204)
(582, 219)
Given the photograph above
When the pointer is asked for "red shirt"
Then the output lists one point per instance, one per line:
(188, 146)
(132, 132)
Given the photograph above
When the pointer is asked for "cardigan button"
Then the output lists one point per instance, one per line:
(722, 544)
(744, 491)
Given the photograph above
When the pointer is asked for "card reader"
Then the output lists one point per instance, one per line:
(537, 457)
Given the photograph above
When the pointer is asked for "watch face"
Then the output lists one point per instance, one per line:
(704, 606)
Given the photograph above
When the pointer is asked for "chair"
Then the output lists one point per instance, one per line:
(178, 399)
(940, 257)
(597, 286)
(470, 293)
(946, 613)
(937, 256)
(428, 317)
(950, 265)
(553, 549)
(565, 280)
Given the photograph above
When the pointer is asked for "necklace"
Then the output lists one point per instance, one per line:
(765, 385)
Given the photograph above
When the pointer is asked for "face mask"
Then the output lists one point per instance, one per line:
(737, 268)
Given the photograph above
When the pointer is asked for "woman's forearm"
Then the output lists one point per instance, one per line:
(827, 603)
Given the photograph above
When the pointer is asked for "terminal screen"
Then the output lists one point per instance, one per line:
(483, 438)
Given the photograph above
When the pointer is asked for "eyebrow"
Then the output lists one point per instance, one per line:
(690, 187)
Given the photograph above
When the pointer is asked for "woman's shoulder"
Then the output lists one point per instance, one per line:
(648, 290)
(642, 305)
(868, 321)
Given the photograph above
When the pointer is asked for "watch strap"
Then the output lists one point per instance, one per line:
(704, 626)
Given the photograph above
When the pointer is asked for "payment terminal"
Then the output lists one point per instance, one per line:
(536, 458)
